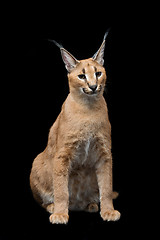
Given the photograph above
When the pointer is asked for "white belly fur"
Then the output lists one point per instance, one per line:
(83, 186)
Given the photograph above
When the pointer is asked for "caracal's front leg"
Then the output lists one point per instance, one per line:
(104, 178)
(60, 186)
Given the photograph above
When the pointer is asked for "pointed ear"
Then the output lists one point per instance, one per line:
(99, 55)
(68, 59)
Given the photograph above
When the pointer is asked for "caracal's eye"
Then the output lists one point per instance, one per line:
(98, 74)
(82, 76)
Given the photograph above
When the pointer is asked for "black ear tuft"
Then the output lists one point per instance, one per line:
(106, 34)
(57, 44)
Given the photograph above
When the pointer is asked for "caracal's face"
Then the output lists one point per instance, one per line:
(87, 78)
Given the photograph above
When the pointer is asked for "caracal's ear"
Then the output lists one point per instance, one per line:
(99, 55)
(69, 60)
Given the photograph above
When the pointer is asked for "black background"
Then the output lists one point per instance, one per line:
(35, 87)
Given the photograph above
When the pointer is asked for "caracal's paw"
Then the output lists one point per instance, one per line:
(59, 218)
(92, 207)
(111, 215)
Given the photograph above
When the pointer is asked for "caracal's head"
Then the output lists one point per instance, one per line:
(87, 77)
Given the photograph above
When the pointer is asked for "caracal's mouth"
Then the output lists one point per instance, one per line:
(90, 92)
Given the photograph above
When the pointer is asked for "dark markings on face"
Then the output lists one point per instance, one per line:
(83, 70)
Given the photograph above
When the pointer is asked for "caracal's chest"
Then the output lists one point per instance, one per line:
(86, 151)
(82, 129)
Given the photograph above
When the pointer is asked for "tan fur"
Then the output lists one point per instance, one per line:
(75, 170)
